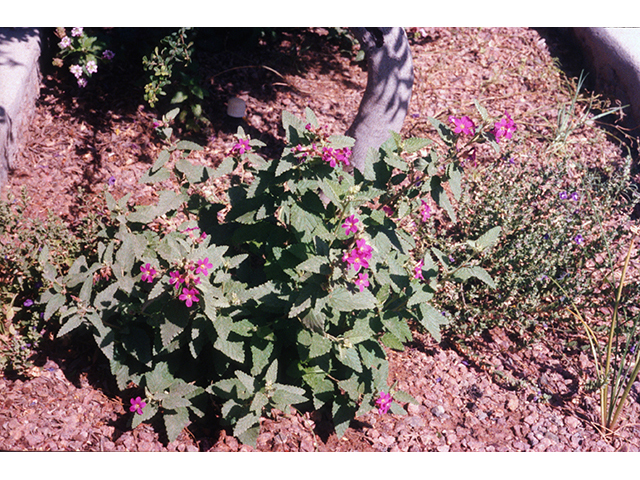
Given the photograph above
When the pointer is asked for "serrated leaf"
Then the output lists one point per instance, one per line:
(53, 305)
(349, 357)
(454, 174)
(188, 145)
(404, 397)
(286, 395)
(148, 412)
(391, 341)
(233, 350)
(245, 423)
(175, 422)
(432, 319)
(343, 413)
(71, 324)
(414, 144)
(465, 273)
(441, 198)
(159, 379)
(489, 239)
(341, 141)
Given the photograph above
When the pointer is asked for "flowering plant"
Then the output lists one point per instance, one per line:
(83, 51)
(286, 299)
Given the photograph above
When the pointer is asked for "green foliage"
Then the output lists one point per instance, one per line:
(171, 70)
(21, 239)
(262, 310)
(82, 52)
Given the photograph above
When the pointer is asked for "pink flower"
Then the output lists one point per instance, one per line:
(148, 272)
(108, 55)
(203, 266)
(189, 296)
(176, 279)
(92, 66)
(463, 125)
(388, 210)
(82, 82)
(241, 147)
(137, 404)
(425, 211)
(76, 32)
(504, 128)
(76, 70)
(350, 225)
(64, 43)
(358, 256)
(384, 403)
(362, 281)
(418, 270)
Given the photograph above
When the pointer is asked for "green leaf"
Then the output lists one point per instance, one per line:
(286, 395)
(349, 357)
(432, 319)
(454, 174)
(176, 422)
(245, 423)
(441, 198)
(414, 144)
(342, 300)
(159, 379)
(148, 412)
(465, 273)
(487, 240)
(53, 305)
(343, 412)
(71, 324)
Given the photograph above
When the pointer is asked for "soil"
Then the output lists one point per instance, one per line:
(81, 142)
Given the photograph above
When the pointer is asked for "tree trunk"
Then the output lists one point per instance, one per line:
(385, 101)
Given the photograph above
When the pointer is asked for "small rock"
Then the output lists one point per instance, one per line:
(438, 411)
(552, 437)
(512, 403)
(572, 422)
(443, 448)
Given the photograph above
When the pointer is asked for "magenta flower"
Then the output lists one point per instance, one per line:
(350, 225)
(82, 82)
(137, 404)
(418, 270)
(425, 211)
(203, 266)
(108, 55)
(176, 279)
(384, 403)
(189, 296)
(362, 281)
(241, 147)
(148, 272)
(504, 128)
(463, 125)
(358, 256)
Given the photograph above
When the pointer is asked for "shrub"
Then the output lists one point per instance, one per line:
(285, 296)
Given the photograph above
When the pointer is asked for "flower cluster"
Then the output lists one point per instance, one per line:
(186, 281)
(425, 211)
(334, 156)
(384, 403)
(504, 128)
(86, 58)
(358, 257)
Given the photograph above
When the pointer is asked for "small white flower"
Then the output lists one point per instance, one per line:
(92, 66)
(76, 31)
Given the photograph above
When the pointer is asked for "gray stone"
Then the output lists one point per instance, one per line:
(19, 89)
